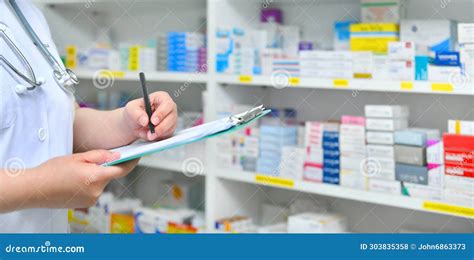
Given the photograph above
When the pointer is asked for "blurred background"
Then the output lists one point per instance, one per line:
(372, 123)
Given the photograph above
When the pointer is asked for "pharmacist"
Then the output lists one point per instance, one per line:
(41, 126)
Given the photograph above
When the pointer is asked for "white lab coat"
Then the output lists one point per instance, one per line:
(36, 125)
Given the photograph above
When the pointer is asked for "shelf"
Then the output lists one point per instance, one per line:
(348, 193)
(169, 165)
(353, 84)
(156, 76)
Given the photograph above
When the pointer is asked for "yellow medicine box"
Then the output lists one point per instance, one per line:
(373, 36)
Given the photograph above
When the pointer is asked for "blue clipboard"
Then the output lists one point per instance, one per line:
(194, 134)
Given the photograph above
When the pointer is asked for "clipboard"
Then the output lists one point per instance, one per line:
(208, 130)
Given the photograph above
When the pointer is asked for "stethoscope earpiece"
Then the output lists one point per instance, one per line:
(20, 89)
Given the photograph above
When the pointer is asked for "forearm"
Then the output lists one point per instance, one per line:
(95, 129)
(19, 192)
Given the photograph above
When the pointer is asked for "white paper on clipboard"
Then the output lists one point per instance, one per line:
(141, 148)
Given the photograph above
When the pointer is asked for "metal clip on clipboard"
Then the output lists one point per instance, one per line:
(245, 117)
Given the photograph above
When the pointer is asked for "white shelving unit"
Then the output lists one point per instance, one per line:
(230, 192)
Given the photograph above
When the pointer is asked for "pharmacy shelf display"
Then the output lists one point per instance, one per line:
(156, 76)
(294, 82)
(228, 191)
(337, 191)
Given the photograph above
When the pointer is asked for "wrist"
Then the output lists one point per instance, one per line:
(20, 191)
(124, 124)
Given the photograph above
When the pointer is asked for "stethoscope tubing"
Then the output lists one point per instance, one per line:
(58, 71)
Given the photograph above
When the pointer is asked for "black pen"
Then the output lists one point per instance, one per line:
(147, 102)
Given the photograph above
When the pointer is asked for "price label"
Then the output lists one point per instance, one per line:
(448, 208)
(406, 85)
(245, 78)
(276, 181)
(341, 83)
(294, 81)
(71, 56)
(442, 87)
(134, 58)
(116, 74)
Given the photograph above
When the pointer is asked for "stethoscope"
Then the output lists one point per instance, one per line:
(66, 78)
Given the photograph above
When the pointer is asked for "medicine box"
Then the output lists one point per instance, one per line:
(373, 36)
(386, 111)
(443, 73)
(434, 152)
(385, 186)
(465, 33)
(375, 137)
(416, 136)
(458, 182)
(352, 162)
(459, 197)
(422, 191)
(353, 179)
(466, 171)
(352, 120)
(342, 35)
(326, 55)
(401, 70)
(380, 151)
(458, 156)
(433, 35)
(401, 51)
(461, 127)
(313, 172)
(410, 155)
(379, 124)
(436, 176)
(460, 142)
(348, 148)
(411, 173)
(378, 11)
(317, 223)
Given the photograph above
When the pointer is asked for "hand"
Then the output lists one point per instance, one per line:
(76, 181)
(164, 117)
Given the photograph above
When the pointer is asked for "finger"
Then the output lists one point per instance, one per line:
(117, 171)
(98, 156)
(136, 112)
(162, 110)
(165, 128)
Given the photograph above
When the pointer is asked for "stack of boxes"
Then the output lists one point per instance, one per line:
(353, 151)
(466, 49)
(272, 139)
(239, 150)
(162, 52)
(381, 122)
(459, 169)
(326, 64)
(331, 154)
(184, 51)
(313, 165)
(418, 179)
(432, 37)
(401, 60)
(292, 161)
(312, 222)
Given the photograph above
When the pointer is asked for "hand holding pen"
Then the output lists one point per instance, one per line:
(152, 119)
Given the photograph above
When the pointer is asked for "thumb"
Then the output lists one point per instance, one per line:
(99, 156)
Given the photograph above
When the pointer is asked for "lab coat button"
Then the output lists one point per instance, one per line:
(42, 134)
(20, 89)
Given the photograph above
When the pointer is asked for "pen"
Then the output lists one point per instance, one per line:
(147, 102)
